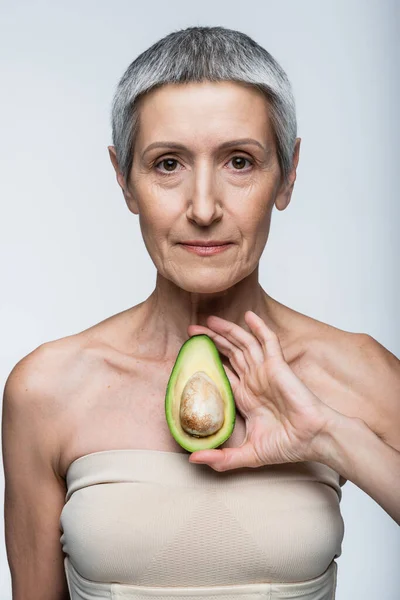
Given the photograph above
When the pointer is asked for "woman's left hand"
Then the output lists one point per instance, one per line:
(285, 421)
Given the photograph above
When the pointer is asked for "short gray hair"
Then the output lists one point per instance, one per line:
(196, 54)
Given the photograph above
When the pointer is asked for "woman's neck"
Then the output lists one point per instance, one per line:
(169, 310)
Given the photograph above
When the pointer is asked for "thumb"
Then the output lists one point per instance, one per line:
(227, 458)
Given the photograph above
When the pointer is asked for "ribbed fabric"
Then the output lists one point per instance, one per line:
(149, 524)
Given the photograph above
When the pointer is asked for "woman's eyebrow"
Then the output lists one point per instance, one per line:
(229, 144)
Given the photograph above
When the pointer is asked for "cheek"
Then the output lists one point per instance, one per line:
(255, 214)
(154, 225)
(158, 211)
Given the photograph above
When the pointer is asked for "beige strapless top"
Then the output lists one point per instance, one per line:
(149, 524)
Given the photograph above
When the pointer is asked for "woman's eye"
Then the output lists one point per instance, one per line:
(238, 162)
(169, 164)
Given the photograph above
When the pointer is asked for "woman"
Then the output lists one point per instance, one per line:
(204, 134)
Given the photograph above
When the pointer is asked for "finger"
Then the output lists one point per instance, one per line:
(227, 458)
(198, 330)
(267, 338)
(234, 353)
(244, 340)
(233, 379)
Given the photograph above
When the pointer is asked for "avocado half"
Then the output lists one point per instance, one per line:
(199, 404)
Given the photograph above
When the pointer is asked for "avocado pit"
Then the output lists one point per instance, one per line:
(202, 407)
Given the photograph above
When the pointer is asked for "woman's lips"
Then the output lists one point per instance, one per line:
(206, 250)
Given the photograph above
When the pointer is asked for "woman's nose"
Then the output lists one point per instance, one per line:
(204, 201)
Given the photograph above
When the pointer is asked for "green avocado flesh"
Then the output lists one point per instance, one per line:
(199, 404)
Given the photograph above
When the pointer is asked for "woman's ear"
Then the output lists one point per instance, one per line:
(285, 193)
(131, 203)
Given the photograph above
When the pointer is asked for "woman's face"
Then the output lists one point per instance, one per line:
(205, 189)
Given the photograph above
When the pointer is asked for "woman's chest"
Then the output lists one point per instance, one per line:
(125, 408)
(117, 410)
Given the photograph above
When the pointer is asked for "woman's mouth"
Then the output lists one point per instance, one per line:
(206, 250)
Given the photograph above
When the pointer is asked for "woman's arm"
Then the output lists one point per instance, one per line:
(366, 449)
(350, 447)
(34, 493)
(287, 422)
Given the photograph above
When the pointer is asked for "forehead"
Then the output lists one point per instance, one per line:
(203, 112)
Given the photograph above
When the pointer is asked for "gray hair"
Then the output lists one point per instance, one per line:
(196, 54)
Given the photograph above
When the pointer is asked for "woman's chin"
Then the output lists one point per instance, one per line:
(205, 284)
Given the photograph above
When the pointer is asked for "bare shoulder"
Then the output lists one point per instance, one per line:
(38, 373)
(34, 375)
(364, 375)
(352, 353)
(38, 388)
(60, 382)
(53, 370)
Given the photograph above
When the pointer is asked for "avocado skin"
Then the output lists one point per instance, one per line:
(198, 353)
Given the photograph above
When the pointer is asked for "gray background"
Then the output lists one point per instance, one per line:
(72, 253)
